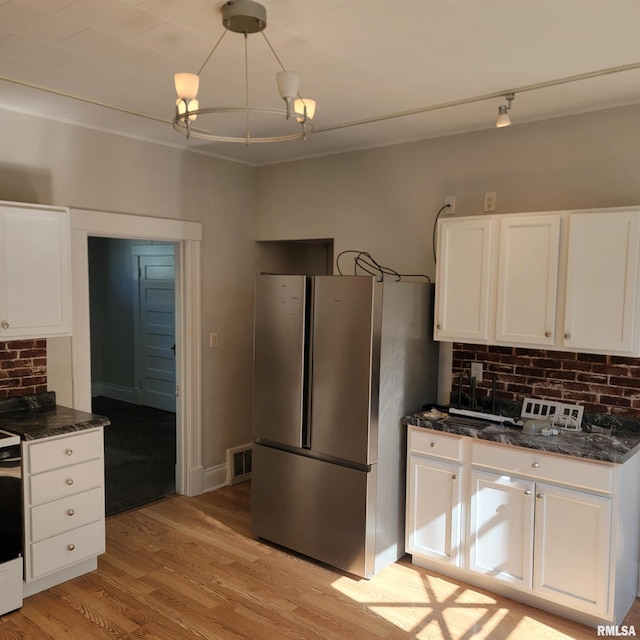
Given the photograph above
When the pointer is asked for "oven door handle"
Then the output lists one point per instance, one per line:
(9, 463)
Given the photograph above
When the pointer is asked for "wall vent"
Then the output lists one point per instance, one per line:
(239, 464)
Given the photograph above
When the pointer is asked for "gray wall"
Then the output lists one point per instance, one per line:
(56, 163)
(382, 200)
(385, 200)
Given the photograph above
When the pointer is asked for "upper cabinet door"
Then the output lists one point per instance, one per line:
(602, 282)
(528, 279)
(463, 280)
(35, 272)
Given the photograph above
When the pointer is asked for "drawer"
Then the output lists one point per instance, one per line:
(434, 443)
(67, 548)
(52, 453)
(576, 472)
(65, 482)
(52, 518)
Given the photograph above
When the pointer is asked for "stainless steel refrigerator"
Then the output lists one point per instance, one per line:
(338, 361)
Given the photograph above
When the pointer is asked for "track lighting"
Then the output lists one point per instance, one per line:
(503, 117)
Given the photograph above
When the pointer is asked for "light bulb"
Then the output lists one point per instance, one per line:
(299, 106)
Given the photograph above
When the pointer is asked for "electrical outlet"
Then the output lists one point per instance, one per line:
(451, 201)
(489, 201)
(476, 371)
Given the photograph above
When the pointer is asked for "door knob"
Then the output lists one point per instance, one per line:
(527, 492)
(567, 336)
(5, 324)
(547, 334)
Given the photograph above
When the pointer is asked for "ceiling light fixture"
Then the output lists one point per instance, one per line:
(245, 17)
(503, 117)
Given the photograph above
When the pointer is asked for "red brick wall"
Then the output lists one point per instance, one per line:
(602, 384)
(23, 367)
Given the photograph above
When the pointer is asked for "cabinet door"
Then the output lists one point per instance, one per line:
(35, 276)
(433, 509)
(572, 539)
(463, 280)
(602, 281)
(527, 279)
(501, 527)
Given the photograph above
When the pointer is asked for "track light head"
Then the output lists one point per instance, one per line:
(503, 116)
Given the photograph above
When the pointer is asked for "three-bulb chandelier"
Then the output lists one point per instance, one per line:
(245, 17)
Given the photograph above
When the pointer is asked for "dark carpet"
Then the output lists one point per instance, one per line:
(140, 454)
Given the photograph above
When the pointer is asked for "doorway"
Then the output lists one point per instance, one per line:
(133, 381)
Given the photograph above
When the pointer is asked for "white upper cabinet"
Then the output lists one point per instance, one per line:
(602, 282)
(563, 280)
(463, 279)
(528, 251)
(35, 272)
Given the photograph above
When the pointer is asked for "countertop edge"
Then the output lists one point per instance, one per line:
(584, 446)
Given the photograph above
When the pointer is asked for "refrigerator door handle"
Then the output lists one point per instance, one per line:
(308, 366)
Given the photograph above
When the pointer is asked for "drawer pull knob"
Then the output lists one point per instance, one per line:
(70, 512)
(539, 496)
(68, 452)
(432, 444)
(536, 465)
(69, 481)
(567, 336)
(5, 324)
(438, 326)
(527, 492)
(454, 477)
(71, 547)
(547, 334)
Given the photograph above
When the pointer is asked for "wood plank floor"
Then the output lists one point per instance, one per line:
(189, 568)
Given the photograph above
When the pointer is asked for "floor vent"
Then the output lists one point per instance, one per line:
(239, 464)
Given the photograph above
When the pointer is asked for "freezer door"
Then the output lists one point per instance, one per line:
(345, 371)
(279, 399)
(322, 510)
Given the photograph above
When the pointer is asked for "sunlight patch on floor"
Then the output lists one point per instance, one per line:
(431, 606)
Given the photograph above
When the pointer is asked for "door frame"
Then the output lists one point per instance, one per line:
(187, 236)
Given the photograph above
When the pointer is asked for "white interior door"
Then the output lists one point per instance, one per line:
(156, 324)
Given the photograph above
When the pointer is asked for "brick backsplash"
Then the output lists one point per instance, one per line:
(602, 384)
(23, 367)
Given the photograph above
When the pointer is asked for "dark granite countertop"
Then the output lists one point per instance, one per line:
(38, 416)
(615, 446)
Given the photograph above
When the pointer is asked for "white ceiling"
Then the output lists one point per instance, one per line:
(359, 59)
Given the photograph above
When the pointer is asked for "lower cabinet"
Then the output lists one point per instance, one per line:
(434, 525)
(555, 531)
(64, 507)
(501, 527)
(572, 544)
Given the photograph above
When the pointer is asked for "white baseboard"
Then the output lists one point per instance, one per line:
(126, 394)
(215, 477)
